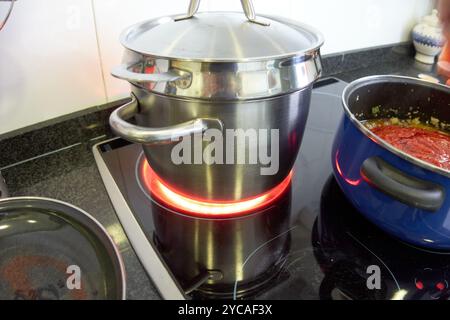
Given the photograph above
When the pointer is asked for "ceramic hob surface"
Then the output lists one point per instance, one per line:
(330, 251)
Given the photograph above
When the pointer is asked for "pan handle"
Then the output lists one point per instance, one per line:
(122, 72)
(402, 187)
(164, 135)
(247, 6)
(3, 188)
(8, 13)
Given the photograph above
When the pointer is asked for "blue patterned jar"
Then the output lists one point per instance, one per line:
(428, 39)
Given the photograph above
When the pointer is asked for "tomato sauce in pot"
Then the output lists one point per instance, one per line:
(421, 141)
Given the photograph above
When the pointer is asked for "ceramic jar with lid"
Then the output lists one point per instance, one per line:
(428, 39)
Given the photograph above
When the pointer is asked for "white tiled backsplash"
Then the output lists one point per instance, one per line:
(55, 55)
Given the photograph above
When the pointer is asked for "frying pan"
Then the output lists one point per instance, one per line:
(51, 250)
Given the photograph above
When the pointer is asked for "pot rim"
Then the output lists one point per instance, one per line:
(146, 91)
(351, 87)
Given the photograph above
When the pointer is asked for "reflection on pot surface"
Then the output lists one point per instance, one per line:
(213, 254)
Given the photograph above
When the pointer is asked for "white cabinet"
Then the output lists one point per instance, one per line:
(49, 62)
(112, 17)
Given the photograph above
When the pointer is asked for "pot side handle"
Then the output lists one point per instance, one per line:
(402, 187)
(164, 135)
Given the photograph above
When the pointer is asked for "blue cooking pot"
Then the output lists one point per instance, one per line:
(406, 197)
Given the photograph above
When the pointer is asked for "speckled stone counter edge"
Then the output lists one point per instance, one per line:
(91, 125)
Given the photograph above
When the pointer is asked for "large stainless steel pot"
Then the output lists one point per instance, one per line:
(219, 71)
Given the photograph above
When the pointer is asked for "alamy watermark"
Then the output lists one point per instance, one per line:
(231, 146)
(73, 281)
(374, 280)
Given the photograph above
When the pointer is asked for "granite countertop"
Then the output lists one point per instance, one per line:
(70, 174)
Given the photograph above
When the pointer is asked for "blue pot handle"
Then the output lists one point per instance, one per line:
(402, 187)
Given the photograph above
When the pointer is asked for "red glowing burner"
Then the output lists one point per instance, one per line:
(205, 207)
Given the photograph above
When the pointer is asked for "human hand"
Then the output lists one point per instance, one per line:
(444, 15)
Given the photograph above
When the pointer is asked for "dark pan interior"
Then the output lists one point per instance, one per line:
(402, 99)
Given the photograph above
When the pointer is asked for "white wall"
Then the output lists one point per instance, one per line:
(53, 52)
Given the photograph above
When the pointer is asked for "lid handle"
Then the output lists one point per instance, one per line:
(247, 5)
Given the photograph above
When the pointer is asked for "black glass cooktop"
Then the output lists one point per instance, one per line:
(334, 253)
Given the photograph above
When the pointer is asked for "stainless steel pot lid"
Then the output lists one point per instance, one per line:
(221, 37)
(221, 55)
(51, 250)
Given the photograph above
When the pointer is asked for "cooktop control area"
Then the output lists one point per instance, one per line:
(325, 249)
